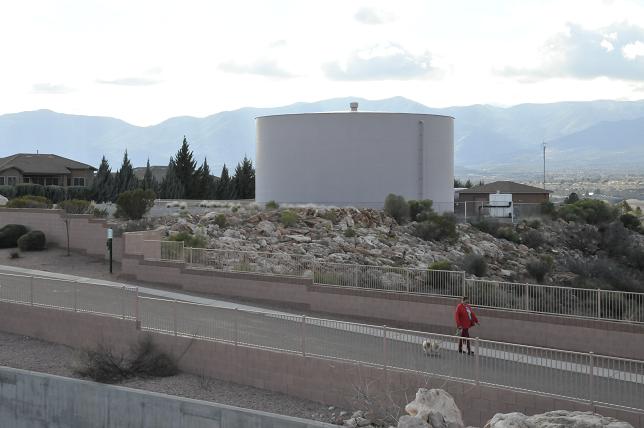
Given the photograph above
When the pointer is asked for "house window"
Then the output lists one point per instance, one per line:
(1, 181)
(12, 181)
(79, 181)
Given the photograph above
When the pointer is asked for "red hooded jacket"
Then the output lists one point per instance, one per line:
(464, 316)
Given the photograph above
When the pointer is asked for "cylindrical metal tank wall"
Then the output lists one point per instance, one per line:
(355, 158)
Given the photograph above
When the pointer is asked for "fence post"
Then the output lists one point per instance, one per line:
(465, 211)
(76, 297)
(236, 325)
(527, 297)
(464, 283)
(137, 310)
(31, 290)
(477, 362)
(599, 304)
(591, 381)
(123, 302)
(384, 347)
(174, 316)
(303, 335)
(190, 254)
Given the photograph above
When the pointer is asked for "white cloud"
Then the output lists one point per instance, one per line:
(260, 67)
(372, 16)
(50, 88)
(130, 81)
(381, 62)
(632, 51)
(607, 45)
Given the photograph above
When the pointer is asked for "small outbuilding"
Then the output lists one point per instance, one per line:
(521, 193)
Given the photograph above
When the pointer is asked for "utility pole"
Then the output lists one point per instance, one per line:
(544, 164)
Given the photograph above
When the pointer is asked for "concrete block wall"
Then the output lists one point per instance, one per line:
(32, 399)
(327, 381)
(425, 313)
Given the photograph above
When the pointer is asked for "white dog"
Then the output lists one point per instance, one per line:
(431, 347)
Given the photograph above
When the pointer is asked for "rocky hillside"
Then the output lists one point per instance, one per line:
(540, 251)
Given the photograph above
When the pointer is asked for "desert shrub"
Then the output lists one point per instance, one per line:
(441, 265)
(288, 218)
(572, 198)
(32, 241)
(99, 212)
(24, 189)
(330, 215)
(533, 238)
(548, 208)
(29, 201)
(134, 203)
(55, 194)
(582, 237)
(148, 361)
(635, 255)
(189, 239)
(604, 273)
(235, 208)
(418, 210)
(590, 211)
(475, 264)
(8, 191)
(539, 268)
(220, 220)
(349, 233)
(10, 233)
(397, 208)
(78, 192)
(615, 239)
(14, 255)
(508, 233)
(272, 205)
(102, 365)
(630, 221)
(75, 206)
(487, 226)
(534, 223)
(437, 227)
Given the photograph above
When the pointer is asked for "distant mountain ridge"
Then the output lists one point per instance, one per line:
(592, 134)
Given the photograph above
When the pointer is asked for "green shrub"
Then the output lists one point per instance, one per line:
(99, 212)
(78, 192)
(272, 205)
(288, 218)
(630, 221)
(590, 211)
(539, 268)
(134, 203)
(475, 265)
(419, 210)
(508, 233)
(189, 239)
(10, 233)
(24, 189)
(487, 226)
(32, 241)
(330, 215)
(235, 209)
(8, 191)
(75, 206)
(220, 220)
(534, 223)
(437, 227)
(548, 208)
(29, 202)
(533, 238)
(349, 233)
(572, 198)
(441, 265)
(397, 208)
(55, 194)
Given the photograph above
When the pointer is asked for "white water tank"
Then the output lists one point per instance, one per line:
(355, 158)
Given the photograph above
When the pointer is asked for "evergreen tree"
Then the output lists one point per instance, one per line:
(205, 183)
(223, 185)
(468, 183)
(149, 181)
(185, 170)
(244, 180)
(103, 185)
(125, 176)
(171, 187)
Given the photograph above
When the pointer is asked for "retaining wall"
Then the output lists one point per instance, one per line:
(32, 399)
(327, 381)
(428, 313)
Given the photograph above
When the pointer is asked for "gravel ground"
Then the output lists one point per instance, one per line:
(32, 354)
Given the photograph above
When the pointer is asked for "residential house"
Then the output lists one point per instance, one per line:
(521, 193)
(44, 169)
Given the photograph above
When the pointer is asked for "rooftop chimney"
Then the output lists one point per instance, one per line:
(354, 106)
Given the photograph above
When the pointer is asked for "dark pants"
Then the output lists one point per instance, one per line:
(464, 333)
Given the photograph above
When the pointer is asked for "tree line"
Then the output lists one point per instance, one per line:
(183, 179)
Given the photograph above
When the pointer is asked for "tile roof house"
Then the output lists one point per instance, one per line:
(521, 193)
(44, 169)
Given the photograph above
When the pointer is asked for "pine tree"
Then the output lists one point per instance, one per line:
(171, 187)
(185, 168)
(125, 176)
(149, 182)
(205, 183)
(103, 185)
(244, 180)
(468, 183)
(223, 185)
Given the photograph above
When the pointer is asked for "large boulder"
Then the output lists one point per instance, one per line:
(435, 407)
(3, 201)
(558, 419)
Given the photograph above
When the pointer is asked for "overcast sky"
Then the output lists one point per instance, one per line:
(146, 61)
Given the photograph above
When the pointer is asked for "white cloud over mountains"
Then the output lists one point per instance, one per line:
(50, 88)
(373, 16)
(260, 67)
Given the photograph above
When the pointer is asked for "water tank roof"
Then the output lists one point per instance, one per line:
(361, 112)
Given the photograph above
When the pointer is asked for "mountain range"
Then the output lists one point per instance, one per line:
(579, 135)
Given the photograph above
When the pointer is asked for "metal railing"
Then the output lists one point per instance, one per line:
(581, 376)
(552, 300)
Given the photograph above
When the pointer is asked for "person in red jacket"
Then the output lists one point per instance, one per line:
(465, 319)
